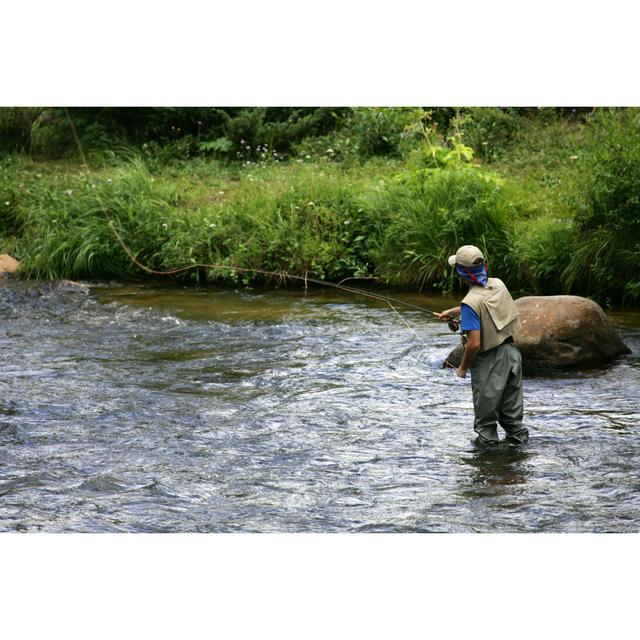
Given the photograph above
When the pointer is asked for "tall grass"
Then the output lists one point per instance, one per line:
(65, 222)
(541, 248)
(311, 226)
(424, 216)
(607, 239)
(303, 222)
(315, 219)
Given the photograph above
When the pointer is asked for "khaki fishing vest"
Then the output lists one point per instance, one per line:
(497, 312)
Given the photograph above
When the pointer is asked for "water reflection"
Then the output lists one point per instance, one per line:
(496, 467)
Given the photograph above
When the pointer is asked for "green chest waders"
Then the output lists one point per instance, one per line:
(496, 383)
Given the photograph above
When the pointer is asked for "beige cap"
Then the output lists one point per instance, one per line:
(467, 256)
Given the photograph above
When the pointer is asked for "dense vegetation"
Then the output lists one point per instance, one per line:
(551, 195)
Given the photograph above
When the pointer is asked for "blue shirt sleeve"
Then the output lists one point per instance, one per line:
(469, 320)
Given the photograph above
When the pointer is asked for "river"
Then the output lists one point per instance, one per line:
(148, 408)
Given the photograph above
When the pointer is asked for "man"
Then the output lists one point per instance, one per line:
(488, 321)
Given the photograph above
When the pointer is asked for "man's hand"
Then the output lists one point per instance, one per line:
(447, 315)
(461, 373)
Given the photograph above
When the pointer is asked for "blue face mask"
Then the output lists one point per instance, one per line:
(479, 274)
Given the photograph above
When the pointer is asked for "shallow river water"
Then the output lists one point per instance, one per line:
(141, 408)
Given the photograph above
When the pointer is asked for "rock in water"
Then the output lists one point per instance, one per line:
(566, 332)
(8, 265)
(69, 286)
(562, 332)
(63, 287)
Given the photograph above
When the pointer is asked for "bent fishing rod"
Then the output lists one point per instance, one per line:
(452, 323)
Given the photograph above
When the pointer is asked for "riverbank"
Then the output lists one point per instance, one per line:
(395, 220)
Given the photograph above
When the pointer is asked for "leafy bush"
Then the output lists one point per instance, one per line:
(52, 136)
(382, 131)
(15, 129)
(565, 220)
(451, 154)
(490, 130)
(541, 248)
(607, 223)
(427, 214)
(166, 132)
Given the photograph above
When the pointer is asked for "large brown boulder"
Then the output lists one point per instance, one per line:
(8, 265)
(562, 332)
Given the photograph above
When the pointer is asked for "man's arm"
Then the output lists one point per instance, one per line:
(448, 314)
(471, 349)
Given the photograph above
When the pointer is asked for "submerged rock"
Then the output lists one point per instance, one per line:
(561, 332)
(69, 286)
(57, 288)
(8, 265)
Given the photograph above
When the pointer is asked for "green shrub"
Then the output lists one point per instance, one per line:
(565, 220)
(307, 222)
(382, 131)
(490, 130)
(542, 247)
(424, 216)
(15, 129)
(333, 147)
(52, 136)
(606, 254)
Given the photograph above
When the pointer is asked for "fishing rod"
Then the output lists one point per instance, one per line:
(452, 323)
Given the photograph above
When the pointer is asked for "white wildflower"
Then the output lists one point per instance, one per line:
(69, 192)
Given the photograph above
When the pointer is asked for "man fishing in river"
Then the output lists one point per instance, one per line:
(488, 321)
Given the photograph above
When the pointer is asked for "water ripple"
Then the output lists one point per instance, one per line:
(142, 408)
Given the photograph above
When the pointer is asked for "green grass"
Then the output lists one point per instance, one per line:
(543, 165)
(299, 218)
(423, 217)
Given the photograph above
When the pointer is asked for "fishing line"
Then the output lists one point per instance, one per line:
(283, 275)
